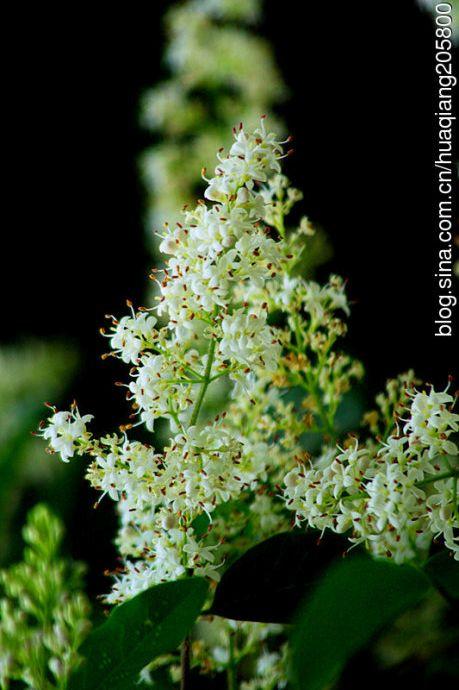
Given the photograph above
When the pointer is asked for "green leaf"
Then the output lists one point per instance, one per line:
(443, 570)
(270, 580)
(152, 623)
(354, 600)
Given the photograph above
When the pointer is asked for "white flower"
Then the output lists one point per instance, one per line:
(387, 493)
(267, 662)
(169, 553)
(140, 575)
(131, 335)
(64, 430)
(248, 340)
(127, 469)
(444, 513)
(204, 468)
(285, 294)
(268, 519)
(431, 423)
(156, 389)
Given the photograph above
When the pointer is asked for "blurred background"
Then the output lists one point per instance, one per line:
(359, 103)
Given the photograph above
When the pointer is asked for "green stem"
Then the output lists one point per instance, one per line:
(280, 226)
(298, 335)
(187, 382)
(455, 497)
(311, 385)
(231, 671)
(185, 659)
(355, 497)
(176, 419)
(437, 477)
(205, 383)
(313, 389)
(226, 372)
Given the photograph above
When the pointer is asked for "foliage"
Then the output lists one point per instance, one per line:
(152, 623)
(444, 571)
(351, 603)
(268, 583)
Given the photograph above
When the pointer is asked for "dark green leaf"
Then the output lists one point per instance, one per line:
(200, 524)
(152, 623)
(270, 580)
(355, 599)
(443, 570)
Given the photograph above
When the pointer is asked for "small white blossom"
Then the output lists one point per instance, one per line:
(156, 383)
(248, 340)
(63, 431)
(431, 423)
(131, 335)
(386, 495)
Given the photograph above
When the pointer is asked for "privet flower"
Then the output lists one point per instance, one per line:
(209, 334)
(64, 430)
(227, 276)
(393, 495)
(234, 310)
(131, 335)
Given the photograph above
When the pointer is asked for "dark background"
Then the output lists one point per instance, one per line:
(361, 83)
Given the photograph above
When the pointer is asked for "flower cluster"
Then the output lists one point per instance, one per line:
(216, 248)
(233, 309)
(65, 430)
(395, 495)
(210, 333)
(131, 335)
(228, 275)
(43, 613)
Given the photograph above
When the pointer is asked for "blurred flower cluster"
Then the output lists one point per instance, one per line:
(44, 614)
(221, 646)
(220, 72)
